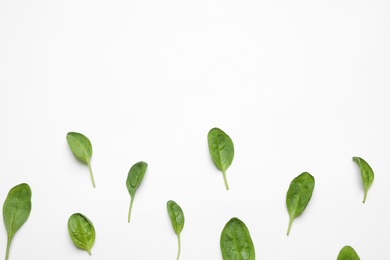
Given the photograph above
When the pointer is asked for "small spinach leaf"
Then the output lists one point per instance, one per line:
(367, 174)
(177, 218)
(221, 149)
(16, 210)
(81, 147)
(298, 195)
(81, 231)
(348, 253)
(134, 178)
(236, 242)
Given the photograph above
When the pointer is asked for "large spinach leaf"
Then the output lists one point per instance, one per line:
(177, 219)
(236, 242)
(348, 253)
(367, 174)
(81, 147)
(16, 210)
(134, 178)
(298, 195)
(221, 149)
(81, 231)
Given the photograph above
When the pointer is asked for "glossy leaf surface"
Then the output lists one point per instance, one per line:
(348, 253)
(16, 210)
(236, 242)
(134, 179)
(298, 195)
(367, 174)
(81, 231)
(221, 149)
(81, 147)
(177, 219)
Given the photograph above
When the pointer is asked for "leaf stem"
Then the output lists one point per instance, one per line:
(365, 195)
(289, 225)
(89, 251)
(225, 180)
(131, 206)
(8, 246)
(179, 246)
(90, 172)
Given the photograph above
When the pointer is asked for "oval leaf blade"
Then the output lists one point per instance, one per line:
(298, 195)
(221, 149)
(348, 253)
(81, 231)
(134, 179)
(176, 215)
(135, 176)
(81, 147)
(367, 174)
(16, 210)
(236, 242)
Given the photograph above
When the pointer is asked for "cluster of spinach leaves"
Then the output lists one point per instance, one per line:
(235, 240)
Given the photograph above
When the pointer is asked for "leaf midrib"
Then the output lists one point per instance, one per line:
(219, 150)
(83, 234)
(12, 232)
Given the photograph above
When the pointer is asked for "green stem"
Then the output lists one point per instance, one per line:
(89, 251)
(365, 195)
(90, 172)
(289, 225)
(131, 206)
(8, 246)
(225, 180)
(179, 247)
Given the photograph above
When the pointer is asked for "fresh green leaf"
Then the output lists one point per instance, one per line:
(367, 174)
(81, 231)
(348, 253)
(177, 218)
(134, 178)
(221, 150)
(298, 195)
(236, 242)
(16, 210)
(81, 147)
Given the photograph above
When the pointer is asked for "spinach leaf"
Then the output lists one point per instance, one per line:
(16, 210)
(177, 218)
(236, 242)
(81, 231)
(298, 195)
(348, 253)
(367, 174)
(82, 148)
(134, 178)
(221, 150)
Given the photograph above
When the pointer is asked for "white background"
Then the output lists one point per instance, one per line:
(298, 85)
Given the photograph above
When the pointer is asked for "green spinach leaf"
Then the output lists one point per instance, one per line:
(177, 218)
(367, 174)
(348, 253)
(81, 231)
(236, 242)
(221, 149)
(16, 210)
(134, 178)
(298, 195)
(81, 147)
